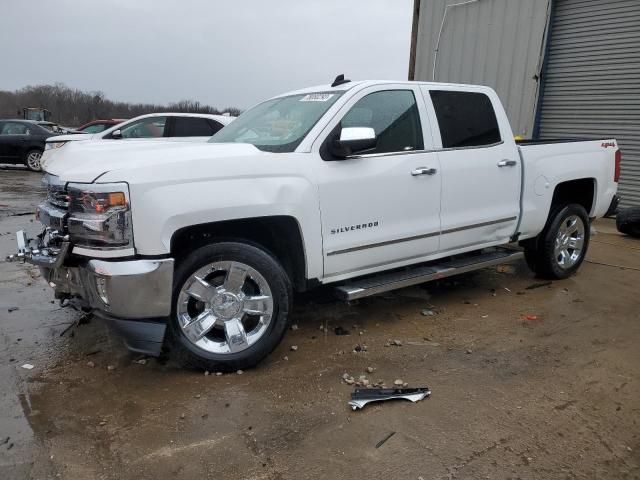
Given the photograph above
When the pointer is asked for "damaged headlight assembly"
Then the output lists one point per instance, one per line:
(100, 216)
(54, 145)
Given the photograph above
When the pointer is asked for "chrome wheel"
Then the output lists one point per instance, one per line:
(225, 307)
(569, 242)
(33, 160)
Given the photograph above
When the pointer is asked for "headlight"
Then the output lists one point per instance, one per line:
(100, 216)
(52, 145)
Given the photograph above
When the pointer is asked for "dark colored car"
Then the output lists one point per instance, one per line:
(98, 126)
(22, 141)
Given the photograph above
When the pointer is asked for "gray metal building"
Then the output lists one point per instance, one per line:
(563, 68)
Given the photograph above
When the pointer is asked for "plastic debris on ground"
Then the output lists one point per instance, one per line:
(362, 396)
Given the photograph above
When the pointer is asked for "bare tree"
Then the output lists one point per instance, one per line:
(73, 107)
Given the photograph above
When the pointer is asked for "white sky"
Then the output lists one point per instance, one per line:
(223, 53)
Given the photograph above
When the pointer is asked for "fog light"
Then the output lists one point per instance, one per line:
(101, 288)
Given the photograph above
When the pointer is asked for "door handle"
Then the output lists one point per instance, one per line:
(423, 171)
(507, 163)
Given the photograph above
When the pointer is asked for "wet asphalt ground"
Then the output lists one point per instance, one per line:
(529, 381)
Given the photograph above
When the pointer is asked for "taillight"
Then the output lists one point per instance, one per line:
(616, 173)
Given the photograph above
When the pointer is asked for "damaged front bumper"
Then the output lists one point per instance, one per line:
(133, 296)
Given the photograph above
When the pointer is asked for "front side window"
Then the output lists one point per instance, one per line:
(466, 119)
(280, 124)
(150, 127)
(192, 127)
(394, 116)
(14, 128)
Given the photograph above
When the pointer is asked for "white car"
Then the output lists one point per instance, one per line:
(366, 186)
(168, 126)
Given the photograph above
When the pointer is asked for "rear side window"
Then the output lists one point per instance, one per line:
(394, 116)
(466, 119)
(192, 127)
(14, 128)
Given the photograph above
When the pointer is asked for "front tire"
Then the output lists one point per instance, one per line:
(231, 303)
(561, 247)
(32, 160)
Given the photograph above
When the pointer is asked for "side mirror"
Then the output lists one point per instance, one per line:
(353, 140)
(116, 134)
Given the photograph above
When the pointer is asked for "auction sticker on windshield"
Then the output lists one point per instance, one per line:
(317, 97)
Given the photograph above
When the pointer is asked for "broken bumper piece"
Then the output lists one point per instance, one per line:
(361, 396)
(133, 296)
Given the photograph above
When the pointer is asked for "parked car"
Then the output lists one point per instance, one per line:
(153, 126)
(365, 186)
(97, 126)
(22, 141)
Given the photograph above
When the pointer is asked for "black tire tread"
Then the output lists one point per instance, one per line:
(628, 221)
(540, 255)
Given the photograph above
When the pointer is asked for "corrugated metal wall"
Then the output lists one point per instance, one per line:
(592, 79)
(488, 42)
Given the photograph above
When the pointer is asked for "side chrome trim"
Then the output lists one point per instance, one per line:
(376, 265)
(418, 237)
(478, 225)
(382, 244)
(413, 152)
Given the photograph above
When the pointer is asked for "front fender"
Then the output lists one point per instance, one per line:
(160, 210)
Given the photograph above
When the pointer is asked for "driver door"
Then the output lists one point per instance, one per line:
(380, 208)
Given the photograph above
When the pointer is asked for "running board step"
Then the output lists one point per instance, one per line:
(385, 282)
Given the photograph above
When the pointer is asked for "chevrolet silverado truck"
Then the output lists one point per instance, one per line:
(364, 186)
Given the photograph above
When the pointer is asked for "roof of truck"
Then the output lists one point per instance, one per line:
(368, 83)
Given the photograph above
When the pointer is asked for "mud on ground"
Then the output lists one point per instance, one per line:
(527, 383)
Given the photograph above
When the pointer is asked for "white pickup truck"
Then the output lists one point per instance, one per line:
(367, 186)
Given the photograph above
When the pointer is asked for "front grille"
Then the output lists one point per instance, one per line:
(59, 198)
(56, 191)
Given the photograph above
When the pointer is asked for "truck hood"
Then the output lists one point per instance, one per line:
(86, 161)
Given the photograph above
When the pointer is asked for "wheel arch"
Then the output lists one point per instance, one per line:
(582, 191)
(281, 236)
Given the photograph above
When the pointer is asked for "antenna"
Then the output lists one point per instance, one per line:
(339, 80)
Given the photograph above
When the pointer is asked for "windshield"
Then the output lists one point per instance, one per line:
(280, 124)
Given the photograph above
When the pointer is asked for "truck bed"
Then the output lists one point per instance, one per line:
(589, 164)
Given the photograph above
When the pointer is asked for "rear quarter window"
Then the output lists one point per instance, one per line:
(465, 119)
(192, 127)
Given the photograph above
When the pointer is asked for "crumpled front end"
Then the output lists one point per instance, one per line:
(132, 294)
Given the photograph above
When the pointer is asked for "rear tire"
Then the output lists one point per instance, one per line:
(628, 221)
(562, 245)
(32, 160)
(230, 307)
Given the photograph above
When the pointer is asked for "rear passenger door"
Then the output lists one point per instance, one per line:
(481, 169)
(193, 127)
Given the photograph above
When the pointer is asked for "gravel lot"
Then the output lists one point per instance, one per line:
(527, 383)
